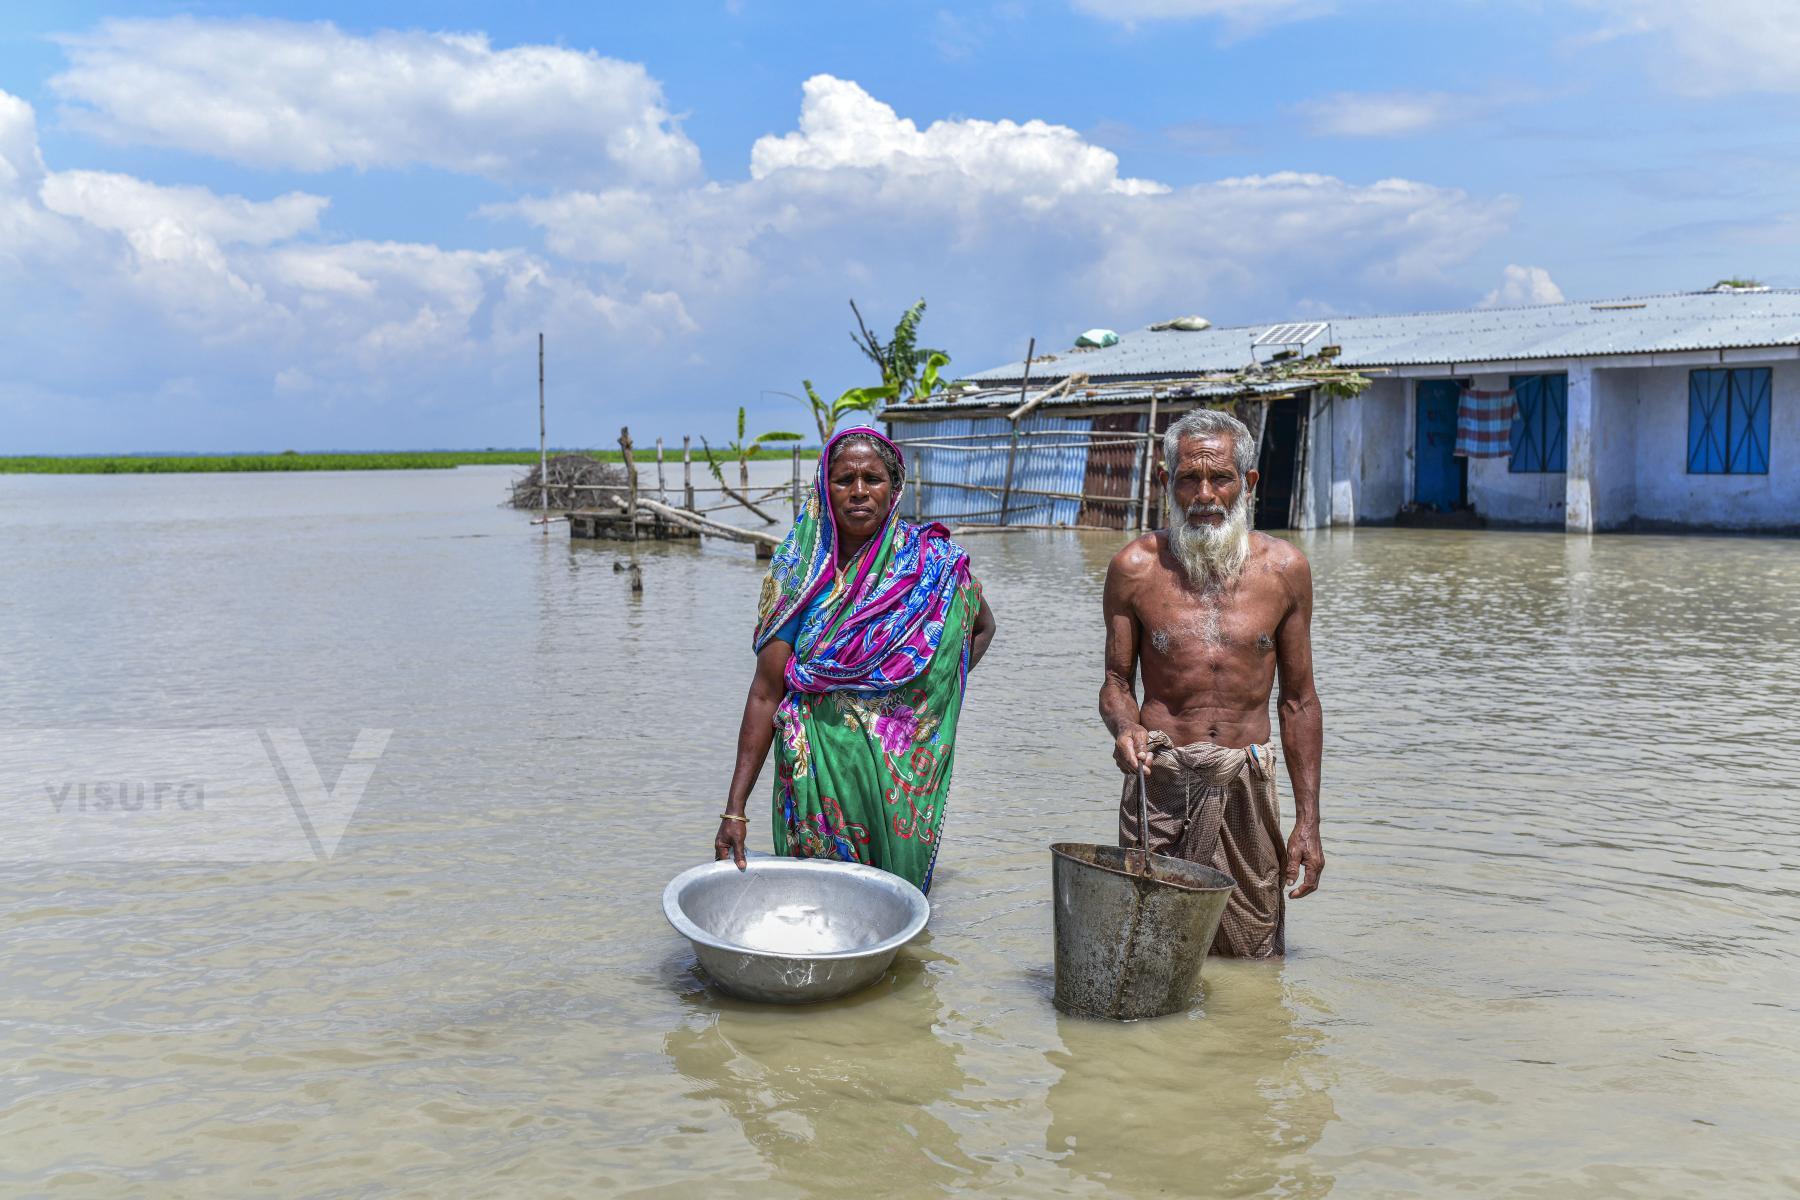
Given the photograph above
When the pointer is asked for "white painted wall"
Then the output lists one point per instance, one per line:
(1346, 458)
(1627, 447)
(1616, 421)
(1508, 499)
(1667, 494)
(1387, 445)
(1316, 511)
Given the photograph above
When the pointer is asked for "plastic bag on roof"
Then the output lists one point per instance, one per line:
(1095, 339)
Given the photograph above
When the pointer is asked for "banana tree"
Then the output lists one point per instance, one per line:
(826, 413)
(743, 449)
(910, 369)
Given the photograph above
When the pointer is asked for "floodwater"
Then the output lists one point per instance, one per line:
(1556, 952)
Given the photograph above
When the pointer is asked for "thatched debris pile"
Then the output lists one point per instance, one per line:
(565, 472)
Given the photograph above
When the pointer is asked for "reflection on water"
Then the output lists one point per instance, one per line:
(1230, 1098)
(1555, 954)
(827, 1101)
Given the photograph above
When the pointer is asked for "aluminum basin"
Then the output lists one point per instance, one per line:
(794, 930)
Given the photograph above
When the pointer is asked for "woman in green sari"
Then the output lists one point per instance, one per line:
(868, 628)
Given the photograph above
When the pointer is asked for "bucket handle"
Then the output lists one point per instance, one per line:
(1143, 823)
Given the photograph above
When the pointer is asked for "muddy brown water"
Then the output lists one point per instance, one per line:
(1556, 951)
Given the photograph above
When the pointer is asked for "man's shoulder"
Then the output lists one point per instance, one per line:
(1137, 557)
(1281, 559)
(1277, 552)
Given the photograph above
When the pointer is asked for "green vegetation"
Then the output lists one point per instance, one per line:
(910, 369)
(909, 372)
(290, 460)
(1735, 282)
(747, 450)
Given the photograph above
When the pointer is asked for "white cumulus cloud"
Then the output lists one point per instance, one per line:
(1712, 49)
(1008, 225)
(312, 97)
(664, 297)
(242, 298)
(1523, 285)
(126, 204)
(843, 127)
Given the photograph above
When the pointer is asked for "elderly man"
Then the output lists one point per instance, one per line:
(1214, 614)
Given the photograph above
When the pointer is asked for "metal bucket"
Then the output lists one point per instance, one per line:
(1129, 945)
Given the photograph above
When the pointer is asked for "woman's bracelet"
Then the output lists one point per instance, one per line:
(731, 817)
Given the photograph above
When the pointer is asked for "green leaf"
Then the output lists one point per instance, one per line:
(712, 463)
(864, 398)
(777, 437)
(935, 361)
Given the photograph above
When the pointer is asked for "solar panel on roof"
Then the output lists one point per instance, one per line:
(1294, 333)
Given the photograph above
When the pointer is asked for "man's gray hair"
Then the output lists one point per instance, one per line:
(1211, 422)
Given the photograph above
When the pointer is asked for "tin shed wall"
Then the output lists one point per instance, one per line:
(1053, 465)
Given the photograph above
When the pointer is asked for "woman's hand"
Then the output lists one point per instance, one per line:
(755, 733)
(982, 634)
(730, 841)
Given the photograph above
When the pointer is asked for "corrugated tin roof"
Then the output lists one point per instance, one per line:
(1584, 329)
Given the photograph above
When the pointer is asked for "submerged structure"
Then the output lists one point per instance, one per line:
(1677, 411)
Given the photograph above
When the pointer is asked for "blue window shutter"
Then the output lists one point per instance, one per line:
(1556, 422)
(1527, 449)
(1707, 404)
(1749, 422)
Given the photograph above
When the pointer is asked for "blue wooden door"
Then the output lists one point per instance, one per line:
(1437, 472)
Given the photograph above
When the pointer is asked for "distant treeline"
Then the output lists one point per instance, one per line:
(289, 460)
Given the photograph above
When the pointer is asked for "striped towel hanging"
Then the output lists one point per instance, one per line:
(1484, 423)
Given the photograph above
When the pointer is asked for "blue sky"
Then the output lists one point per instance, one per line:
(227, 226)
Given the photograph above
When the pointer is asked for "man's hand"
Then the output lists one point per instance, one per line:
(1131, 749)
(1304, 850)
(730, 842)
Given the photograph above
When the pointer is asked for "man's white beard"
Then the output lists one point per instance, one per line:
(1212, 554)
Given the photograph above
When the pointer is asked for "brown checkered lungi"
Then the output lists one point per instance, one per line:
(1215, 805)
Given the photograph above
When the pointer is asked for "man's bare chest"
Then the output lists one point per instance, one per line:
(1176, 621)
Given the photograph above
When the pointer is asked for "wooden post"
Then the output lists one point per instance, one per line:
(543, 451)
(796, 483)
(918, 486)
(1012, 448)
(687, 470)
(631, 483)
(662, 491)
(1151, 458)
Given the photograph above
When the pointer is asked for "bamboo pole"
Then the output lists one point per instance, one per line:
(965, 530)
(796, 483)
(1149, 463)
(687, 470)
(630, 476)
(1087, 497)
(543, 445)
(1297, 501)
(662, 491)
(701, 524)
(744, 500)
(948, 440)
(1012, 449)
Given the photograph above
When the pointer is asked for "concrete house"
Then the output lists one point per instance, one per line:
(1656, 412)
